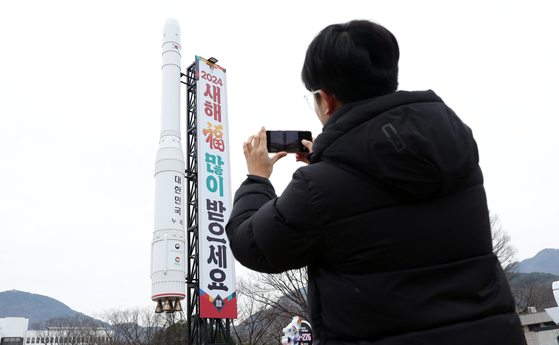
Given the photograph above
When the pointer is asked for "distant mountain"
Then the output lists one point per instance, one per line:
(34, 307)
(546, 261)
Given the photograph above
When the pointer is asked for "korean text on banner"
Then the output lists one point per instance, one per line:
(218, 297)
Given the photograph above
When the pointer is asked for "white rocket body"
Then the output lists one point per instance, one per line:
(168, 248)
(554, 312)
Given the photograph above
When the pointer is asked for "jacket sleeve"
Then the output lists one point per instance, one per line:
(271, 234)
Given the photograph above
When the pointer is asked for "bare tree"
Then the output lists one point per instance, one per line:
(136, 326)
(532, 291)
(503, 248)
(174, 330)
(258, 323)
(152, 324)
(285, 292)
(70, 330)
(267, 303)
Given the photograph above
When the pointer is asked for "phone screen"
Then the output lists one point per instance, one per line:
(288, 141)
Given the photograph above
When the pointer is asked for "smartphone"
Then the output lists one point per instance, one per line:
(288, 141)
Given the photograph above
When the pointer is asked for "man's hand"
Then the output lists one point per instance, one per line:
(259, 162)
(302, 157)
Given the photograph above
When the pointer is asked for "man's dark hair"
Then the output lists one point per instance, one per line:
(354, 61)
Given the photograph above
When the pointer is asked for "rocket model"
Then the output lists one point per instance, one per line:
(168, 245)
(554, 312)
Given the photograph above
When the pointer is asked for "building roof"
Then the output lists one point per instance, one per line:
(535, 318)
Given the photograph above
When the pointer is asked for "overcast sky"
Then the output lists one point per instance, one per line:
(80, 97)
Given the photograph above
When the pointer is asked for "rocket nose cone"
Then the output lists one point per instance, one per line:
(171, 31)
(172, 21)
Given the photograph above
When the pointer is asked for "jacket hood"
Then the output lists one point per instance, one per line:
(408, 142)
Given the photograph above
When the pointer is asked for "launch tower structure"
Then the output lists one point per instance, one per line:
(201, 331)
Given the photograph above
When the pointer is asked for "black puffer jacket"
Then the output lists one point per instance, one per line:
(391, 219)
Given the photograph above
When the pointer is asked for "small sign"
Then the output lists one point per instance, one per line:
(298, 332)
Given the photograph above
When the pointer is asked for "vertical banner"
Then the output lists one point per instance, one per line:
(218, 297)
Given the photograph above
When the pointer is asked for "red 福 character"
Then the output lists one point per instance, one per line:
(214, 137)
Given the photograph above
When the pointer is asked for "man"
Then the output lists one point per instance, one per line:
(390, 216)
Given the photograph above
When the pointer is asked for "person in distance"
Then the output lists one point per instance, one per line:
(390, 215)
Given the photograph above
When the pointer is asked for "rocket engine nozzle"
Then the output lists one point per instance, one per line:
(159, 308)
(177, 305)
(168, 306)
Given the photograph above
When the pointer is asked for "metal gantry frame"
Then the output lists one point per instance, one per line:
(201, 331)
